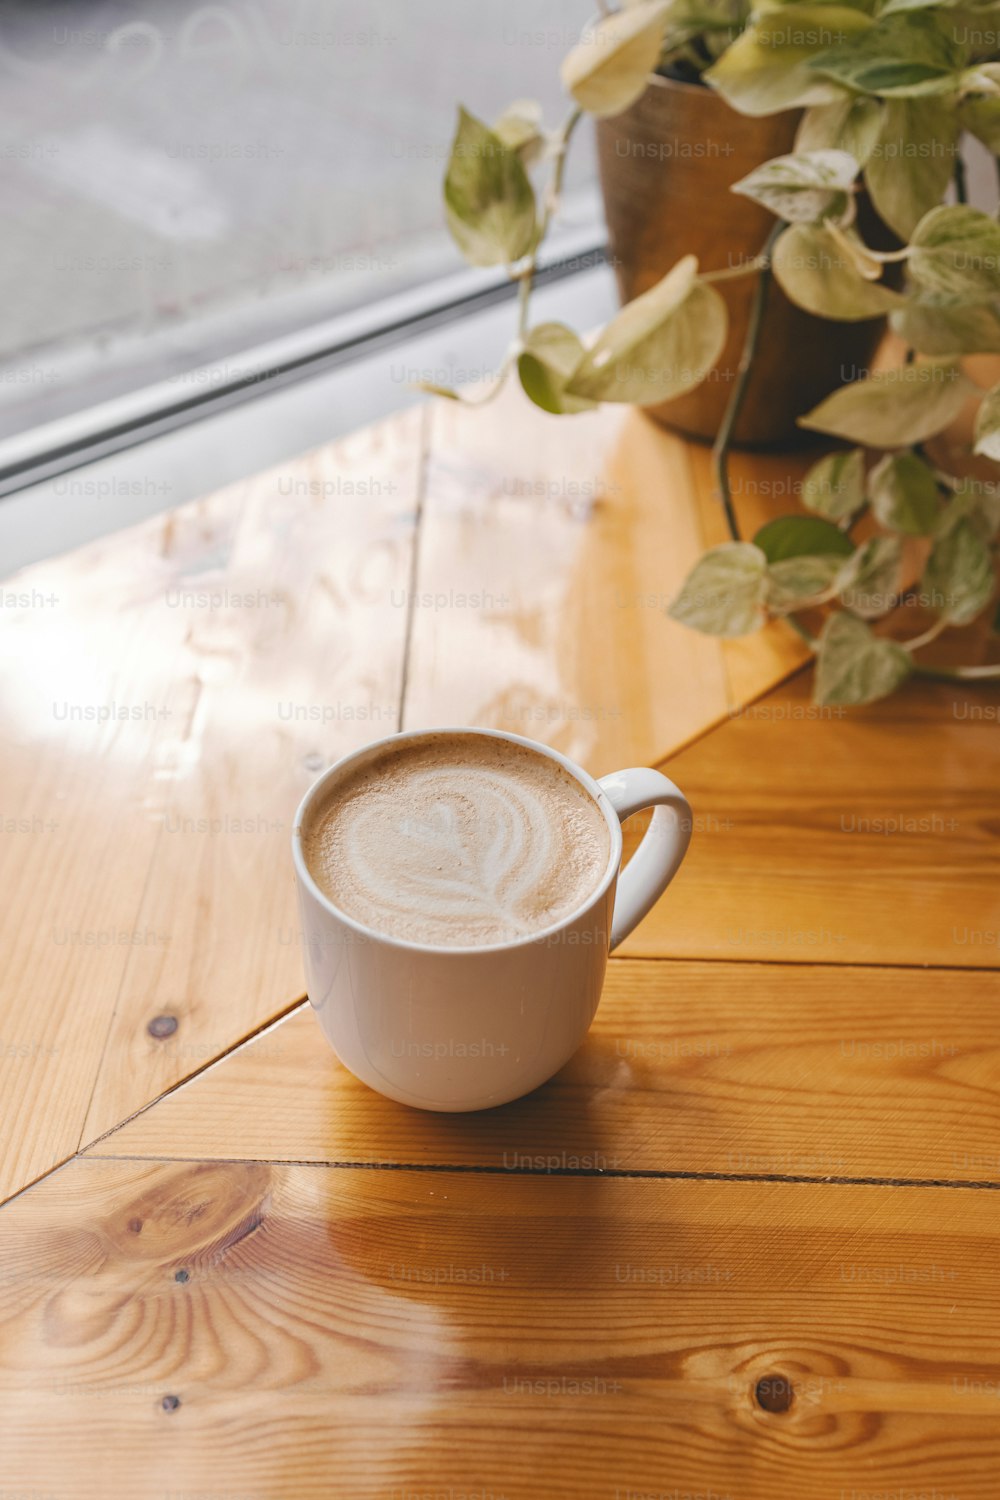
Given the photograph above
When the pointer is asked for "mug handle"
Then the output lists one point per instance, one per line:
(658, 858)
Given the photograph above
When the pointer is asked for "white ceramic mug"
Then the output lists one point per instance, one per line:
(467, 1028)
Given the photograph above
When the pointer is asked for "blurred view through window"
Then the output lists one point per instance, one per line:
(182, 179)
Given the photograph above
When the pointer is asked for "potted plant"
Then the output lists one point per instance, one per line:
(872, 98)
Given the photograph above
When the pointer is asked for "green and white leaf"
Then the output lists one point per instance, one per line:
(867, 7)
(869, 582)
(865, 261)
(802, 188)
(818, 274)
(725, 591)
(802, 536)
(609, 67)
(987, 438)
(904, 494)
(978, 503)
(983, 75)
(894, 408)
(894, 7)
(659, 346)
(931, 329)
(901, 56)
(912, 161)
(489, 200)
(959, 579)
(852, 124)
(767, 68)
(854, 665)
(797, 582)
(551, 354)
(955, 254)
(520, 129)
(835, 486)
(982, 117)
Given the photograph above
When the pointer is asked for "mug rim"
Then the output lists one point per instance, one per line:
(588, 782)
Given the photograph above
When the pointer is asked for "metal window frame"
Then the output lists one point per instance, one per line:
(52, 448)
(261, 437)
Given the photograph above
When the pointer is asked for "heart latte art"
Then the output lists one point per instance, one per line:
(458, 840)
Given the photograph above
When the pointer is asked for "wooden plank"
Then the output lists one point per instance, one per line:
(840, 835)
(332, 537)
(743, 1069)
(87, 712)
(549, 551)
(250, 639)
(273, 1331)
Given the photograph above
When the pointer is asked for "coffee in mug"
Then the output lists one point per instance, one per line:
(460, 892)
(457, 840)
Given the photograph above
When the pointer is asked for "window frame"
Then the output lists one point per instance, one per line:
(52, 448)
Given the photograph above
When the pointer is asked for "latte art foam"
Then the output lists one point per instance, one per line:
(458, 841)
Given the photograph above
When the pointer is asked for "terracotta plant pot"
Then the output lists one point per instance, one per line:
(666, 167)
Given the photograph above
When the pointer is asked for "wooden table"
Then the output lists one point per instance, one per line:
(745, 1245)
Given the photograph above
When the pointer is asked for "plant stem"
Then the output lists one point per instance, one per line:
(959, 674)
(523, 299)
(720, 449)
(928, 635)
(888, 257)
(748, 269)
(558, 169)
(526, 276)
(494, 390)
(946, 674)
(961, 189)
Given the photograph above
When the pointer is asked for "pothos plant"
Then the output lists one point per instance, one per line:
(888, 89)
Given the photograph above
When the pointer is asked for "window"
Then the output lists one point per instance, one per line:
(185, 180)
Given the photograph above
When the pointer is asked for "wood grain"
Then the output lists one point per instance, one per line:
(572, 536)
(163, 894)
(249, 1317)
(86, 699)
(315, 677)
(743, 1069)
(248, 639)
(840, 835)
(274, 1331)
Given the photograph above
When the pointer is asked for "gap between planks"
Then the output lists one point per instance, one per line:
(649, 1174)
